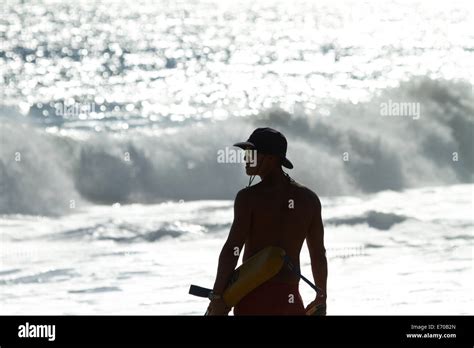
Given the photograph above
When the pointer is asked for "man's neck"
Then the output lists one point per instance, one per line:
(275, 178)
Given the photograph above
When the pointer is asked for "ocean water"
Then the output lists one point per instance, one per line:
(112, 200)
(406, 252)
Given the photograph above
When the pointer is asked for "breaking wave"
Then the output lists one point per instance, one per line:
(381, 153)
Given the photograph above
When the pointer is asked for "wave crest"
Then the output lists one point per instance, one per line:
(383, 153)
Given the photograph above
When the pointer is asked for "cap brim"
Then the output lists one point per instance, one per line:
(285, 162)
(245, 144)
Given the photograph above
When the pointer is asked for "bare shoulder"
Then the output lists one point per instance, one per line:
(251, 191)
(309, 196)
(245, 193)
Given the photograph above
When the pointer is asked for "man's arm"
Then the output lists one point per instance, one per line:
(233, 246)
(317, 252)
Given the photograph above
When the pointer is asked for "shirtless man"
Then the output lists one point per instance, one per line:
(275, 212)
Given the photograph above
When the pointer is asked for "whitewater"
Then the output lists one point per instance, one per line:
(112, 197)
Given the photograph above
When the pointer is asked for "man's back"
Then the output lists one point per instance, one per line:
(280, 217)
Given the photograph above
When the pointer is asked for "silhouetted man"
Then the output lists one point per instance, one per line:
(275, 212)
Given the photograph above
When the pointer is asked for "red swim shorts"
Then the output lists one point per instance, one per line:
(272, 298)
